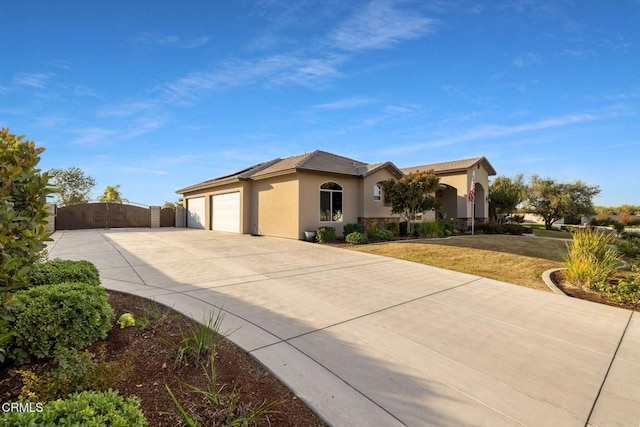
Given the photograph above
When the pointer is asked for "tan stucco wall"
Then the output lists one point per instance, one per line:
(369, 208)
(243, 187)
(310, 202)
(462, 182)
(275, 208)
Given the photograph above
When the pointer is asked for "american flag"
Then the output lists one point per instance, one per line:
(472, 190)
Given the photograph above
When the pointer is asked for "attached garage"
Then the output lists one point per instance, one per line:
(195, 212)
(225, 212)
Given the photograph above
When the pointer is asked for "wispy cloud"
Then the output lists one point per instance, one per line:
(271, 70)
(346, 103)
(92, 136)
(527, 60)
(171, 40)
(35, 80)
(498, 131)
(380, 25)
(140, 171)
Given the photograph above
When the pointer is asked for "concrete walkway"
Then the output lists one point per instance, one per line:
(374, 341)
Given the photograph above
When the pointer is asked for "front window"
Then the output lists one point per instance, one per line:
(377, 192)
(330, 202)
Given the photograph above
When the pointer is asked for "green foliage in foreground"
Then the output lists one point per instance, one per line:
(55, 317)
(326, 234)
(61, 271)
(590, 259)
(87, 409)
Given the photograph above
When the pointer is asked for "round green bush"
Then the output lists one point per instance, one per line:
(68, 315)
(326, 234)
(89, 408)
(61, 271)
(356, 238)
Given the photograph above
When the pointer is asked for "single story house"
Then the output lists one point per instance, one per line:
(286, 197)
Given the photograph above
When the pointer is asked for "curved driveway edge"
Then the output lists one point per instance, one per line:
(367, 340)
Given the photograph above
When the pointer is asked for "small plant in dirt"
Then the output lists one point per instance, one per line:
(74, 371)
(590, 258)
(87, 409)
(223, 407)
(126, 320)
(198, 341)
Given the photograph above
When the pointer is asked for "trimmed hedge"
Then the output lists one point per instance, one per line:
(88, 409)
(54, 317)
(326, 234)
(352, 228)
(356, 238)
(61, 271)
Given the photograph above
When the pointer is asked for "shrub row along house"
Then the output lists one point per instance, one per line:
(286, 197)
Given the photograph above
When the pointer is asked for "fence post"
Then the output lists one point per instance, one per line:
(51, 219)
(155, 216)
(180, 217)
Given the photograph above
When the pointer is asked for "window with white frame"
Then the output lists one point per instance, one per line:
(331, 202)
(377, 192)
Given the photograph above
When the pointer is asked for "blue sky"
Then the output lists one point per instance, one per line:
(159, 95)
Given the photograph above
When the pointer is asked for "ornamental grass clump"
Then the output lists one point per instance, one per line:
(591, 258)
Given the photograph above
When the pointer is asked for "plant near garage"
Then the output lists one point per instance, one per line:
(326, 234)
(198, 341)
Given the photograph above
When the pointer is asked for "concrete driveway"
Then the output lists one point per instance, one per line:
(372, 341)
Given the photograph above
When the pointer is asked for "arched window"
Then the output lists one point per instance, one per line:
(377, 192)
(330, 202)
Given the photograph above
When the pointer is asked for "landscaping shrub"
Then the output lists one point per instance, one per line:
(60, 271)
(629, 248)
(376, 233)
(489, 228)
(87, 409)
(54, 317)
(356, 238)
(352, 228)
(625, 291)
(394, 227)
(326, 234)
(590, 258)
(429, 229)
(75, 371)
(514, 229)
(618, 226)
(402, 227)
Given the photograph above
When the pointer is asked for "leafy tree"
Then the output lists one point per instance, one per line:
(554, 200)
(112, 195)
(505, 194)
(412, 194)
(168, 204)
(23, 216)
(72, 186)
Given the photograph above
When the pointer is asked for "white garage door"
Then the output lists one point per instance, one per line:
(225, 212)
(195, 212)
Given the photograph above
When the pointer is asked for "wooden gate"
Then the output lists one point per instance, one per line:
(101, 215)
(168, 217)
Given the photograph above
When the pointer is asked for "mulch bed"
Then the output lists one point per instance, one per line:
(154, 367)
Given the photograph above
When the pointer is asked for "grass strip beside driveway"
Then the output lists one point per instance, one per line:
(512, 259)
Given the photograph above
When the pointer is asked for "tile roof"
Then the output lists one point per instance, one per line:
(455, 165)
(321, 161)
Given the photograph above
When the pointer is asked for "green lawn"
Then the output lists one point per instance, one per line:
(514, 259)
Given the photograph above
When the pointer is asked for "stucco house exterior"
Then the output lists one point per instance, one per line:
(286, 197)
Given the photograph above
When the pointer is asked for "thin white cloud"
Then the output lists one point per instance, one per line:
(35, 80)
(527, 60)
(171, 40)
(497, 131)
(271, 70)
(92, 136)
(140, 171)
(380, 25)
(346, 103)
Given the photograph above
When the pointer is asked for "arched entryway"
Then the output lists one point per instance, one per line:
(447, 196)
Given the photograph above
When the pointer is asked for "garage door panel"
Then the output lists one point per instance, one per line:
(195, 212)
(225, 212)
